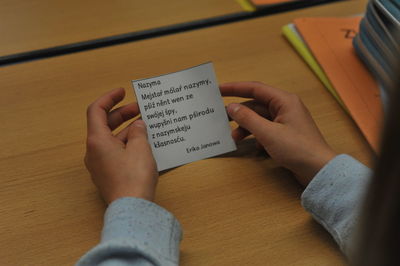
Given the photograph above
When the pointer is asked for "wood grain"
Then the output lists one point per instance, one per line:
(236, 209)
(31, 25)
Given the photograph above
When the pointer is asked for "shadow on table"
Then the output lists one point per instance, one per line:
(246, 148)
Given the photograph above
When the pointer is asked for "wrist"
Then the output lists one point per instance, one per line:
(313, 165)
(146, 194)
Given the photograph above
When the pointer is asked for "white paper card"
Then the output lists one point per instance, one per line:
(185, 116)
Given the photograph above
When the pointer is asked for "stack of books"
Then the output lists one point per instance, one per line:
(377, 42)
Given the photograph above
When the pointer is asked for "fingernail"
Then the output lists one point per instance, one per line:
(233, 108)
(139, 123)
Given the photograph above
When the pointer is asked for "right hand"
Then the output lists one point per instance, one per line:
(121, 165)
(281, 124)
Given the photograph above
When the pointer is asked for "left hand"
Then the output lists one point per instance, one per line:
(121, 165)
(282, 124)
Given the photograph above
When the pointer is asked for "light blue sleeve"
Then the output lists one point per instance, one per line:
(136, 232)
(334, 197)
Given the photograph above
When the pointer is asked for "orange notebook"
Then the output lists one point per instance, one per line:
(330, 40)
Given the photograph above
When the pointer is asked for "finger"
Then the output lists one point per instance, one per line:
(123, 134)
(256, 90)
(137, 137)
(121, 114)
(259, 146)
(97, 111)
(246, 118)
(257, 107)
(239, 133)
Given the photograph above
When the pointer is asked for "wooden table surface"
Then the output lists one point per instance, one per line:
(31, 25)
(236, 209)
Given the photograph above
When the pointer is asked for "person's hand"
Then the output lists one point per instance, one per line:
(121, 165)
(281, 124)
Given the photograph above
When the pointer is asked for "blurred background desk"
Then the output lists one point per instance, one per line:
(31, 25)
(237, 209)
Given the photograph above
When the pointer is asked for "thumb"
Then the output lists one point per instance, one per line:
(246, 118)
(137, 134)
